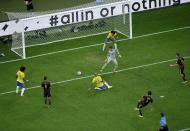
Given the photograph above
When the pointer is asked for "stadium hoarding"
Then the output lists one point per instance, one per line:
(83, 14)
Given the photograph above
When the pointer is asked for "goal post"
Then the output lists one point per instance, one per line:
(18, 41)
(73, 24)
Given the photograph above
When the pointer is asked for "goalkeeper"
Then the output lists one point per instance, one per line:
(111, 37)
(99, 83)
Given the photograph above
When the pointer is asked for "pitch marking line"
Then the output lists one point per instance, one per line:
(82, 47)
(84, 77)
(187, 129)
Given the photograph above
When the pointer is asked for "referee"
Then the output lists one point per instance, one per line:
(163, 124)
(29, 5)
(46, 85)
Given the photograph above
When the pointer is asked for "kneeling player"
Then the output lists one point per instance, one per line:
(47, 91)
(99, 83)
(144, 101)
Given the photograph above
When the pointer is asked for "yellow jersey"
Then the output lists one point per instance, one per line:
(20, 76)
(111, 35)
(97, 80)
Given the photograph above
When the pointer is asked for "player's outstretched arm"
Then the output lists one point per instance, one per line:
(26, 80)
(172, 65)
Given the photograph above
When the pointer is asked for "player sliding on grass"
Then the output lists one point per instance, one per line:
(20, 78)
(111, 37)
(99, 83)
(180, 63)
(46, 85)
(144, 101)
(111, 57)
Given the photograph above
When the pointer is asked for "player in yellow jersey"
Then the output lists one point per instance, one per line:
(111, 37)
(99, 83)
(20, 78)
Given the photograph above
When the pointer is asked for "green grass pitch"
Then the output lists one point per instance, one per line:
(74, 108)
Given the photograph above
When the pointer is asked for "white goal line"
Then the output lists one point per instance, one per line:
(187, 129)
(84, 77)
(81, 47)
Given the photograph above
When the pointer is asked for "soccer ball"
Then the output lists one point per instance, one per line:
(79, 73)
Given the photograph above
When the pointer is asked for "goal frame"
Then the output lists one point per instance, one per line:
(23, 21)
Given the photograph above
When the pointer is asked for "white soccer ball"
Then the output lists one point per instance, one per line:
(79, 73)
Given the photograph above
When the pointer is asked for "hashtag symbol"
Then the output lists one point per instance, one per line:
(53, 20)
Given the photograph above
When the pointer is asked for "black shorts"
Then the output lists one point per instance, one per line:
(165, 128)
(181, 70)
(47, 94)
(30, 7)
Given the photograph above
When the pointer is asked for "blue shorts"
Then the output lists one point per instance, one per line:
(20, 84)
(103, 88)
(107, 40)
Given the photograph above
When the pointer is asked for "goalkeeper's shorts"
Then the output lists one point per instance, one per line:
(107, 40)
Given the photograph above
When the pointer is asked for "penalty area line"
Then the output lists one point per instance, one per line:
(82, 47)
(186, 129)
(106, 73)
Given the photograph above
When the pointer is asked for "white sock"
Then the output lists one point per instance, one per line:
(22, 91)
(104, 66)
(115, 67)
(106, 84)
(104, 46)
(116, 49)
(17, 89)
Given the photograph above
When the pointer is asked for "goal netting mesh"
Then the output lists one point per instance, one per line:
(22, 41)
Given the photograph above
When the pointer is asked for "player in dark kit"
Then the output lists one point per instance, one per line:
(29, 5)
(144, 101)
(47, 91)
(180, 63)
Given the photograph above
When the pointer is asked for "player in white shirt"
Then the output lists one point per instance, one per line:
(111, 57)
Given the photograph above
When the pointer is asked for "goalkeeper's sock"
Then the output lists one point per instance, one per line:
(22, 91)
(115, 45)
(115, 68)
(104, 46)
(103, 67)
(17, 89)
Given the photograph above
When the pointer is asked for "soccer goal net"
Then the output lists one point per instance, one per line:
(41, 28)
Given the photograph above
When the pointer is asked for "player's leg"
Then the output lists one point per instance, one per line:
(115, 65)
(115, 45)
(23, 89)
(17, 88)
(108, 60)
(45, 97)
(49, 98)
(140, 112)
(183, 75)
(45, 100)
(139, 108)
(108, 86)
